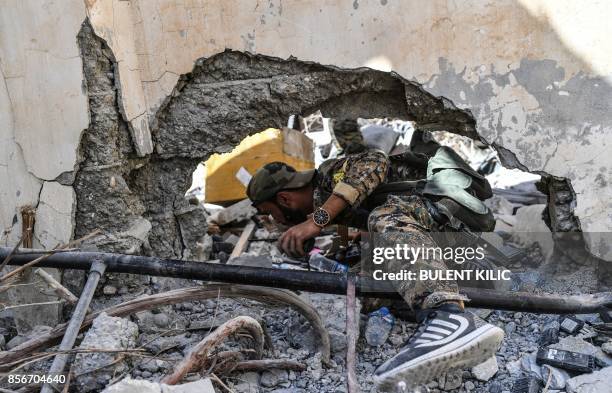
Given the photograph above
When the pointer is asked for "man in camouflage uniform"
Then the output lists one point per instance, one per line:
(339, 190)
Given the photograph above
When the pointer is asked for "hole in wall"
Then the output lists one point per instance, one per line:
(140, 203)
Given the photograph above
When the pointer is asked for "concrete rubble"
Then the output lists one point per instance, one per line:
(237, 212)
(95, 370)
(486, 370)
(596, 382)
(129, 385)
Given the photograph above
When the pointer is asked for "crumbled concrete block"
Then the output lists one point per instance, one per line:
(192, 222)
(108, 333)
(486, 370)
(263, 248)
(274, 377)
(128, 241)
(230, 238)
(109, 290)
(237, 212)
(249, 382)
(129, 385)
(595, 382)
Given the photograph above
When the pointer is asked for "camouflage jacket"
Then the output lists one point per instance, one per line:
(352, 178)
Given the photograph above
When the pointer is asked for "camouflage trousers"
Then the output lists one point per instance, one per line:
(405, 220)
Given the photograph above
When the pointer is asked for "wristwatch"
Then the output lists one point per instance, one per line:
(321, 217)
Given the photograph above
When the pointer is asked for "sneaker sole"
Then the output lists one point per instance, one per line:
(466, 352)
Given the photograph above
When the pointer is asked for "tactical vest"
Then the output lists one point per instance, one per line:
(454, 192)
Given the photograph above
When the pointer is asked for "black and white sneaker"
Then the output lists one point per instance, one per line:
(447, 338)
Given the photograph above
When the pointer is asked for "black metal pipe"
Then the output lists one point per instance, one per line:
(307, 281)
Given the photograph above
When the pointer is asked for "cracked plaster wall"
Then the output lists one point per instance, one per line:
(535, 74)
(43, 111)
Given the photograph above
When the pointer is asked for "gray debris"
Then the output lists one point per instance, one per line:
(558, 377)
(38, 330)
(161, 320)
(526, 364)
(239, 211)
(153, 365)
(197, 243)
(251, 260)
(263, 248)
(130, 240)
(230, 238)
(108, 333)
(596, 382)
(129, 385)
(482, 313)
(500, 205)
(109, 290)
(485, 370)
(274, 377)
(575, 344)
(337, 341)
(20, 339)
(510, 328)
(248, 382)
(607, 347)
(164, 343)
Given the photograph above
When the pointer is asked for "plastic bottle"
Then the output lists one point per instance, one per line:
(322, 264)
(380, 323)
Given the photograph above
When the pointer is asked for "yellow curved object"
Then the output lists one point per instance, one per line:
(286, 145)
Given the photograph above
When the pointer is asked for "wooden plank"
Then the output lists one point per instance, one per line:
(243, 241)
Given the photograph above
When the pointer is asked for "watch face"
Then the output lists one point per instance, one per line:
(320, 217)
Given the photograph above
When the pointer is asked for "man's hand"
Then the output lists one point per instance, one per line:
(292, 241)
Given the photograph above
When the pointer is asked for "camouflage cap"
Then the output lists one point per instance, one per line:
(274, 177)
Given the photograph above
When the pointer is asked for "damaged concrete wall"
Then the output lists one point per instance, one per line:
(535, 74)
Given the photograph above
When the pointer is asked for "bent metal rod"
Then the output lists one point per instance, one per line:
(331, 283)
